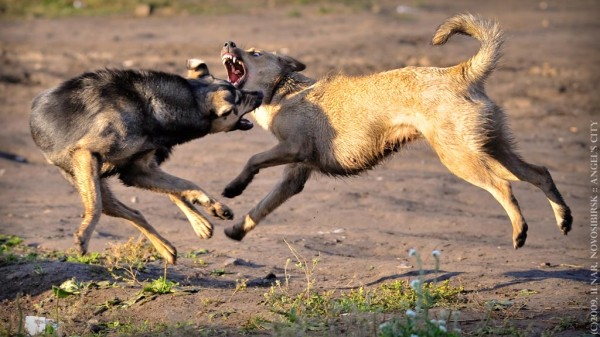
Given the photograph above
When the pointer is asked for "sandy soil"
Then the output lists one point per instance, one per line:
(360, 227)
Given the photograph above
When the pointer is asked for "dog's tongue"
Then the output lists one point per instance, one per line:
(244, 124)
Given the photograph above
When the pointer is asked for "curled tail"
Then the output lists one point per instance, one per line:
(480, 66)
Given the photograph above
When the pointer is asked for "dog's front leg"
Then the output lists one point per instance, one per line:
(281, 154)
(151, 177)
(200, 224)
(292, 183)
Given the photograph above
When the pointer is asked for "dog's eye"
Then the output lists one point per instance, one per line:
(226, 113)
(255, 54)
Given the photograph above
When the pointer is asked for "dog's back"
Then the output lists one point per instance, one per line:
(108, 111)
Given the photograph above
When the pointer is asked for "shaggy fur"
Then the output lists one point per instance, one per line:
(125, 123)
(344, 125)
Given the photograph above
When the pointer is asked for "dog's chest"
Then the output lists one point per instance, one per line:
(263, 117)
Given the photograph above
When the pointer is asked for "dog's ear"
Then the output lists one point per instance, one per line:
(291, 63)
(196, 68)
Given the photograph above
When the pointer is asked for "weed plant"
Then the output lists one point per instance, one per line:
(311, 310)
(125, 261)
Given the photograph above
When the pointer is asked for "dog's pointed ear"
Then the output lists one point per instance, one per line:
(291, 63)
(196, 68)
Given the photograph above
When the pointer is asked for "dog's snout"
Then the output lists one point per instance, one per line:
(229, 45)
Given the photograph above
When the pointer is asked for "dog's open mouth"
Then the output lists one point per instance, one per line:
(243, 124)
(236, 72)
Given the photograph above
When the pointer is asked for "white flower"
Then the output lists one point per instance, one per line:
(441, 322)
(384, 325)
(411, 313)
(415, 284)
(436, 253)
(442, 328)
(412, 252)
(413, 335)
(433, 321)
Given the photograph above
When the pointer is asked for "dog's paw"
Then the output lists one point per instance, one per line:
(80, 246)
(520, 238)
(218, 210)
(567, 222)
(167, 251)
(202, 227)
(232, 191)
(234, 233)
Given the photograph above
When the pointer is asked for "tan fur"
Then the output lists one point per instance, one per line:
(344, 125)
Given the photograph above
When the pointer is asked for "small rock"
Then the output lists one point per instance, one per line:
(406, 10)
(546, 70)
(271, 276)
(143, 11)
(134, 200)
(545, 23)
(236, 262)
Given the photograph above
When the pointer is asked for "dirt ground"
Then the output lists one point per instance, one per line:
(362, 227)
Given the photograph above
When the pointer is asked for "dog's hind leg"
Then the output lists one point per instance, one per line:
(512, 167)
(475, 168)
(292, 183)
(85, 177)
(113, 207)
(200, 224)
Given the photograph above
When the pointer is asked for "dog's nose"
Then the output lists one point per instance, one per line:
(229, 45)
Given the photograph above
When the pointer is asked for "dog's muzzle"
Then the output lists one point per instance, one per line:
(236, 70)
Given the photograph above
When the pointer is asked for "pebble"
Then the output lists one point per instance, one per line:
(143, 11)
(235, 262)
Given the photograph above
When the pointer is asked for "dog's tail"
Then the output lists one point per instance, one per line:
(480, 66)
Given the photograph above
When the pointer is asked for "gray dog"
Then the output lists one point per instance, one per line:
(125, 123)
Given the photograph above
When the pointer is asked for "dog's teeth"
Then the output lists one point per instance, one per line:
(226, 58)
(235, 60)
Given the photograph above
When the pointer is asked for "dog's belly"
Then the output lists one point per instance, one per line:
(352, 153)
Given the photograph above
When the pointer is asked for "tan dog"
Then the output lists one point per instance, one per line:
(344, 125)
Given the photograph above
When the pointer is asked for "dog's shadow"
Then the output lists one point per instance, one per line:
(426, 276)
(517, 277)
(524, 276)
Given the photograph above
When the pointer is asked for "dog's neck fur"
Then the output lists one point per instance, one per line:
(288, 84)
